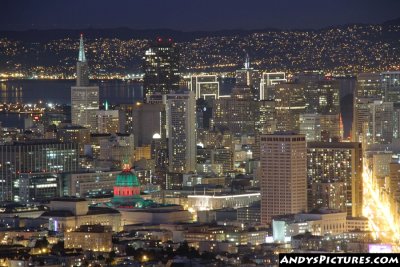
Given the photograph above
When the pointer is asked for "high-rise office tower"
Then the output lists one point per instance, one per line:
(368, 89)
(310, 126)
(235, 114)
(84, 98)
(368, 85)
(264, 123)
(334, 176)
(322, 97)
(147, 118)
(205, 86)
(181, 131)
(110, 121)
(283, 162)
(290, 102)
(361, 117)
(74, 134)
(268, 82)
(390, 84)
(318, 127)
(248, 76)
(34, 156)
(265, 116)
(161, 68)
(380, 123)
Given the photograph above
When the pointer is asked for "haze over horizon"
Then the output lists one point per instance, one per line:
(193, 15)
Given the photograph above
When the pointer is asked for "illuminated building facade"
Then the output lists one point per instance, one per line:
(283, 162)
(380, 123)
(181, 132)
(84, 98)
(161, 68)
(35, 187)
(318, 222)
(96, 238)
(334, 176)
(268, 82)
(219, 201)
(323, 97)
(84, 184)
(290, 102)
(368, 85)
(74, 134)
(109, 121)
(368, 88)
(248, 76)
(68, 213)
(223, 156)
(234, 114)
(126, 188)
(318, 127)
(205, 86)
(33, 157)
(390, 83)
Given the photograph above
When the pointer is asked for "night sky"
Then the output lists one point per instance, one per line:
(189, 15)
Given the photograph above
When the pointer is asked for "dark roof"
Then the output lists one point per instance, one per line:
(67, 213)
(101, 210)
(58, 213)
(330, 145)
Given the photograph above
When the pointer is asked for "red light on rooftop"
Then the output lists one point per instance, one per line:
(159, 39)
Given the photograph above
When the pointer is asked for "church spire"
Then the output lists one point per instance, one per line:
(81, 56)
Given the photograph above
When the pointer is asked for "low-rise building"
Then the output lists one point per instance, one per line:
(90, 237)
(68, 214)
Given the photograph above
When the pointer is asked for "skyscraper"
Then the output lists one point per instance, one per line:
(161, 68)
(368, 85)
(235, 114)
(390, 83)
(110, 121)
(268, 82)
(181, 131)
(290, 102)
(205, 86)
(147, 120)
(380, 123)
(368, 89)
(334, 173)
(322, 97)
(248, 76)
(283, 162)
(84, 98)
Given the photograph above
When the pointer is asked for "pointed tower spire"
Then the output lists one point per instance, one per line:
(82, 69)
(81, 57)
(247, 62)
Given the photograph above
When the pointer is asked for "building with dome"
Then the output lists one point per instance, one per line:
(135, 209)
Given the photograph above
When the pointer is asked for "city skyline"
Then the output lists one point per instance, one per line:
(121, 147)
